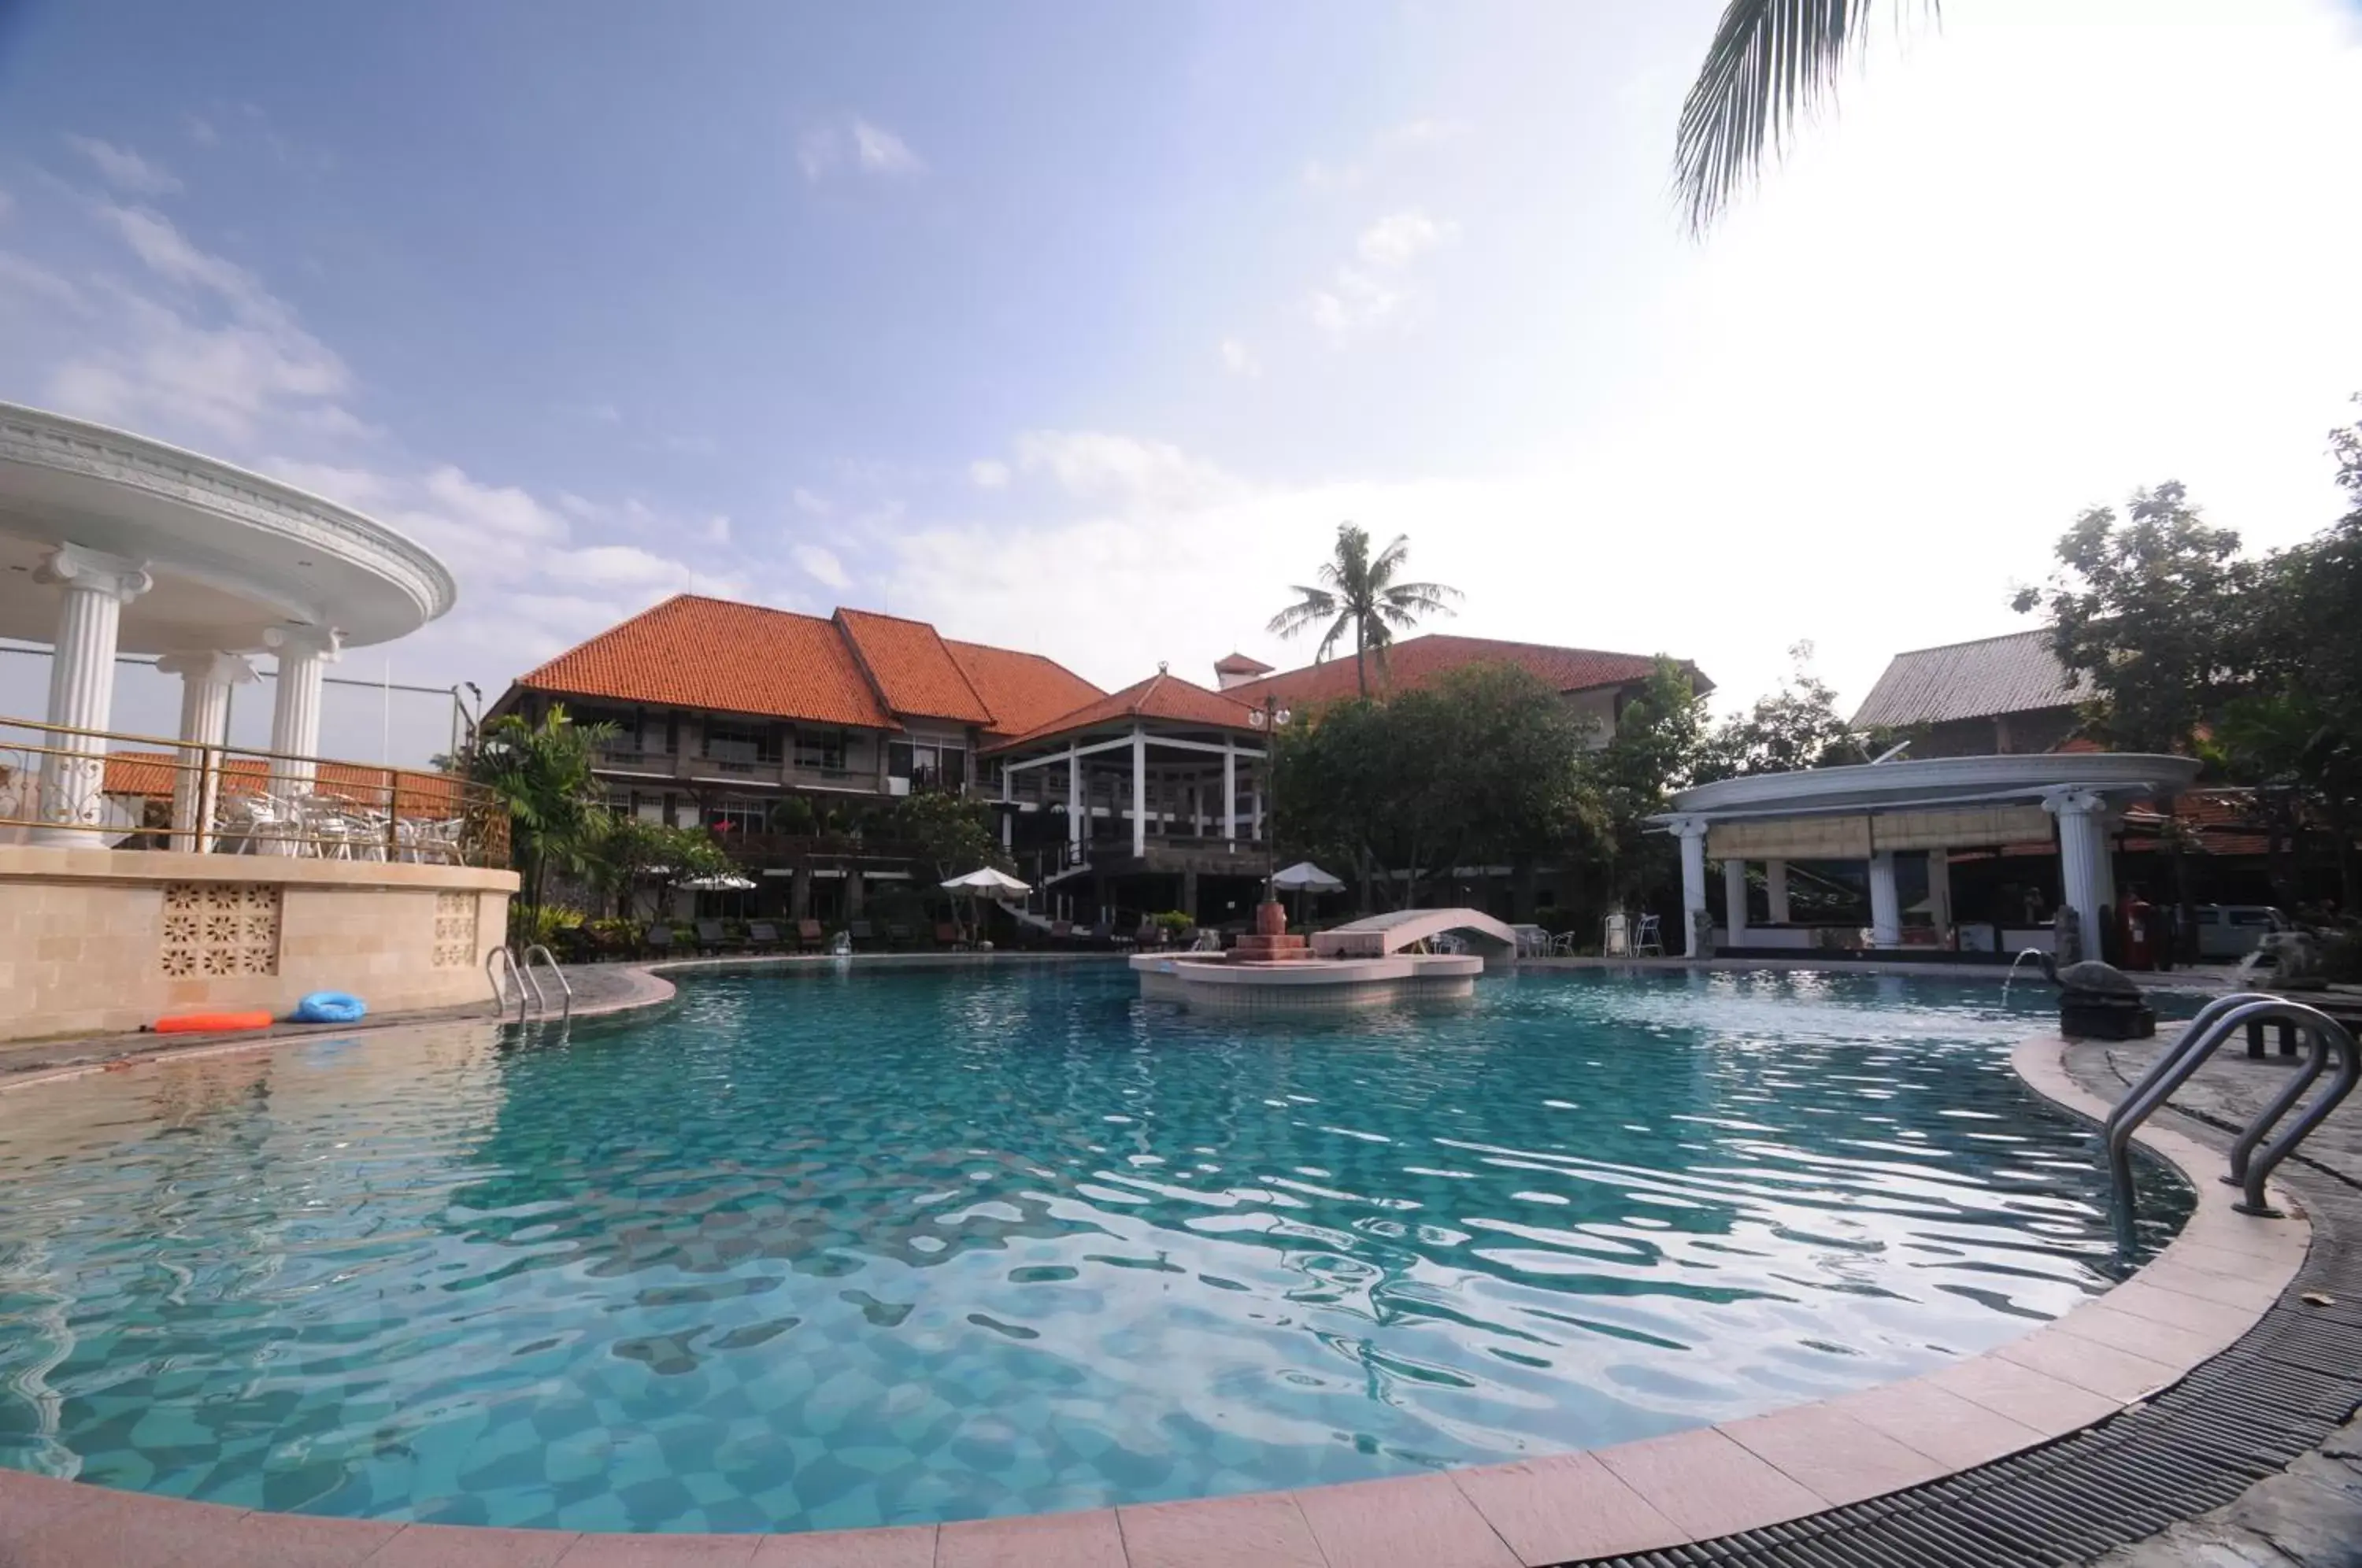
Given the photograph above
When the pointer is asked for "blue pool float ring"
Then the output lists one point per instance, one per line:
(330, 1007)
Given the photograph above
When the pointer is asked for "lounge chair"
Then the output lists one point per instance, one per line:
(947, 935)
(1062, 931)
(809, 934)
(712, 938)
(763, 937)
(860, 931)
(898, 935)
(658, 940)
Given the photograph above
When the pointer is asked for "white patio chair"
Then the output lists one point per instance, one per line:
(1649, 939)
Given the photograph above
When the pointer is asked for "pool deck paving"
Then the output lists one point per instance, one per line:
(2111, 1356)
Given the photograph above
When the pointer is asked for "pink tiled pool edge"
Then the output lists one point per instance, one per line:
(2197, 1297)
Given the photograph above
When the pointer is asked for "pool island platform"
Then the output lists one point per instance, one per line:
(1374, 962)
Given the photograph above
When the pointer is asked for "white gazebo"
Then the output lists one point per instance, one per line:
(1876, 812)
(111, 543)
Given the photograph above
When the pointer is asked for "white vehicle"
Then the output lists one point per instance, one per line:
(2230, 932)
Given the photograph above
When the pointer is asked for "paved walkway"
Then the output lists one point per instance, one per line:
(2309, 1516)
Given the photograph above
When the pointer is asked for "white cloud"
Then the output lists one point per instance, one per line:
(1124, 471)
(811, 503)
(1353, 303)
(1238, 359)
(201, 130)
(1400, 238)
(1419, 133)
(880, 151)
(123, 169)
(359, 489)
(691, 446)
(23, 281)
(822, 566)
(1385, 146)
(870, 148)
(989, 473)
(7, 205)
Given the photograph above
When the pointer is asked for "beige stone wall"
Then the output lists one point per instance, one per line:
(101, 941)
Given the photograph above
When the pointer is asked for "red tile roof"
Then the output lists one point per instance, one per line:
(911, 669)
(1421, 659)
(1239, 664)
(694, 652)
(1023, 690)
(151, 773)
(1161, 696)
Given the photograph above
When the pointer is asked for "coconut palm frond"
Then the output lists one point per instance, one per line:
(1311, 605)
(1329, 639)
(1771, 62)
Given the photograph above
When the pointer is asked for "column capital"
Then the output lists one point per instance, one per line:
(1686, 827)
(2074, 800)
(95, 571)
(207, 668)
(324, 643)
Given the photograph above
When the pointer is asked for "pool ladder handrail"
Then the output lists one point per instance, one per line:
(500, 967)
(2252, 1159)
(558, 973)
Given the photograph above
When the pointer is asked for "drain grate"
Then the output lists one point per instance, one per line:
(2241, 1417)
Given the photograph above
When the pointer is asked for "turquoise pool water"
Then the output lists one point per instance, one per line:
(847, 1249)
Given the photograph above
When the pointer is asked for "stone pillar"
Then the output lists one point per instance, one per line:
(1885, 902)
(852, 892)
(1189, 894)
(305, 654)
(1734, 898)
(1775, 890)
(1939, 894)
(2086, 871)
(1254, 805)
(800, 894)
(1692, 832)
(1139, 793)
(205, 682)
(82, 685)
(1074, 799)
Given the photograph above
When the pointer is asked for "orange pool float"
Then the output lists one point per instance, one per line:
(211, 1023)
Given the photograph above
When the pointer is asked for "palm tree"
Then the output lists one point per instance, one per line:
(1362, 593)
(543, 775)
(1771, 61)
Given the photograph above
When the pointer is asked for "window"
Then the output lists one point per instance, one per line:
(927, 764)
(733, 815)
(820, 749)
(737, 742)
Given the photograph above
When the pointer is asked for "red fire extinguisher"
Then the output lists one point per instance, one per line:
(2136, 918)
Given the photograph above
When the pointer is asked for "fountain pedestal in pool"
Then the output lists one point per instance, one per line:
(1369, 963)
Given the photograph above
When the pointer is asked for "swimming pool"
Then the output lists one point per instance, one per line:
(838, 1248)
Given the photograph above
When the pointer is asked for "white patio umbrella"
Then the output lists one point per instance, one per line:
(985, 882)
(727, 882)
(1303, 877)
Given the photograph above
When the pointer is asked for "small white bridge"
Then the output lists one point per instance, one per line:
(1375, 936)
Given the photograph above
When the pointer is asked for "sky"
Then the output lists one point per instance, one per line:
(1081, 328)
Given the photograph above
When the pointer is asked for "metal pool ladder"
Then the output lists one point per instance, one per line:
(2252, 1160)
(507, 971)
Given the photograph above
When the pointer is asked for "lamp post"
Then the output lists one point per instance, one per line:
(1269, 718)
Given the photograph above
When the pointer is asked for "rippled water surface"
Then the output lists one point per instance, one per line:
(828, 1250)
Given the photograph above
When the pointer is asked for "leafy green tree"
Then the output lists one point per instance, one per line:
(951, 834)
(1486, 766)
(1660, 747)
(541, 774)
(630, 852)
(1359, 591)
(1771, 63)
(1795, 727)
(2155, 612)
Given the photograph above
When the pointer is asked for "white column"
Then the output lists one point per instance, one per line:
(82, 684)
(1074, 799)
(1775, 890)
(1734, 897)
(1229, 789)
(305, 654)
(1885, 902)
(1255, 807)
(205, 682)
(2086, 869)
(1139, 793)
(1692, 832)
(1939, 894)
